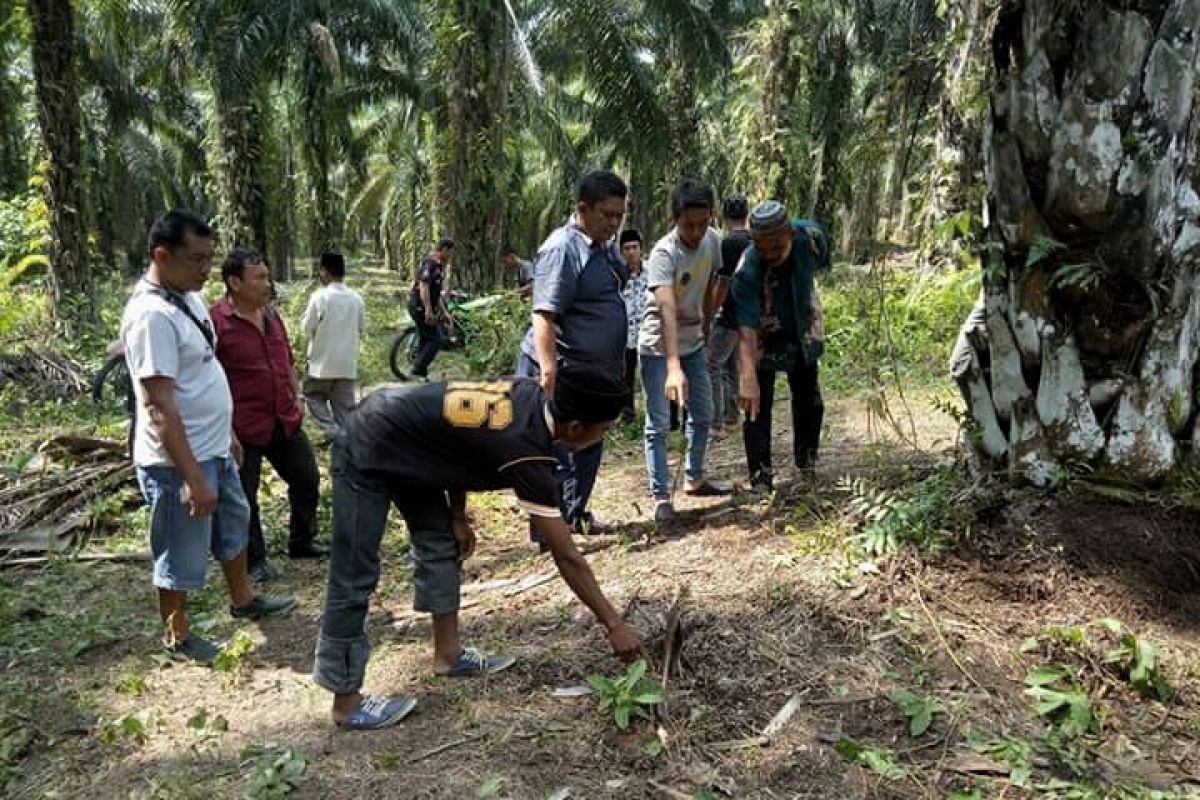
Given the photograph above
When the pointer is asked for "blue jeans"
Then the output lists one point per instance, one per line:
(658, 418)
(722, 366)
(181, 543)
(361, 502)
(577, 470)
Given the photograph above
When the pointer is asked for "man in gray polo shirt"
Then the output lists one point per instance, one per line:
(184, 450)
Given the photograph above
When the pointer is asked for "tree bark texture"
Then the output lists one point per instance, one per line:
(471, 43)
(241, 200)
(1092, 265)
(53, 24)
(957, 154)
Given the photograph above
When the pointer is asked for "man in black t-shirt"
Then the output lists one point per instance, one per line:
(422, 448)
(426, 305)
(722, 348)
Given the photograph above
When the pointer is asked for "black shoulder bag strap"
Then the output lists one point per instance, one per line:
(180, 302)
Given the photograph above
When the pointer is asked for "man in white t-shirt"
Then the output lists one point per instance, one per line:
(334, 323)
(681, 273)
(184, 450)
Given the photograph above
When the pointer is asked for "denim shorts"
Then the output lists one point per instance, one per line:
(181, 543)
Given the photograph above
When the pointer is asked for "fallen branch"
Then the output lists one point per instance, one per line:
(783, 716)
(668, 791)
(673, 640)
(532, 582)
(942, 638)
(444, 747)
(36, 561)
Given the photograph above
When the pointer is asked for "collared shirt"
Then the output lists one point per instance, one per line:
(580, 282)
(161, 341)
(260, 369)
(334, 322)
(636, 296)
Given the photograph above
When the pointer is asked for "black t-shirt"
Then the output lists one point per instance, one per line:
(465, 436)
(432, 272)
(732, 247)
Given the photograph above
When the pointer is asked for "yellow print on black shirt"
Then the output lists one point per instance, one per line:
(470, 404)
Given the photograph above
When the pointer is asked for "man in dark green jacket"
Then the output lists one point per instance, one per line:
(780, 329)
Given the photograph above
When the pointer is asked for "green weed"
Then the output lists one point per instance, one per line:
(628, 696)
(879, 760)
(276, 777)
(920, 709)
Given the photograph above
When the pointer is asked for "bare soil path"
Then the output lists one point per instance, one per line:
(780, 607)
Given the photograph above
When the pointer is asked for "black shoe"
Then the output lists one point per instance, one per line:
(588, 525)
(308, 550)
(264, 605)
(195, 649)
(262, 573)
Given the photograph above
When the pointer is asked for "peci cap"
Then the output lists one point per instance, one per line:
(768, 216)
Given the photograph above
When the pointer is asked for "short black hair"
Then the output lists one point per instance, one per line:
(588, 394)
(735, 208)
(691, 194)
(599, 185)
(334, 264)
(170, 229)
(508, 250)
(630, 235)
(237, 261)
(445, 243)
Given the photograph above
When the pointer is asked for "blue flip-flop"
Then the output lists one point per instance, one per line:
(378, 711)
(471, 662)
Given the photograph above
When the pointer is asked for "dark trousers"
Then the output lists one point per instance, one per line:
(429, 341)
(294, 462)
(361, 502)
(577, 470)
(808, 413)
(631, 377)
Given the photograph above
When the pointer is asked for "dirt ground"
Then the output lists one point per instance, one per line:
(778, 607)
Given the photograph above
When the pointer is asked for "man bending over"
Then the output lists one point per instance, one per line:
(422, 448)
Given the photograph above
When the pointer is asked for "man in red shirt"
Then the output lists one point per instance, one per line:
(252, 345)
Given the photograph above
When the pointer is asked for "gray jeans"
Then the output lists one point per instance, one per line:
(722, 366)
(360, 507)
(328, 401)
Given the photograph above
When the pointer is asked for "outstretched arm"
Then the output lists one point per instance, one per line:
(574, 569)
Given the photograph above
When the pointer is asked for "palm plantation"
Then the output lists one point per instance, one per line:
(986, 590)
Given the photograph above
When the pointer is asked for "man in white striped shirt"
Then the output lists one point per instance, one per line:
(334, 322)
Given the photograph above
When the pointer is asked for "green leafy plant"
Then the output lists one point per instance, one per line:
(1042, 248)
(879, 760)
(276, 778)
(126, 727)
(919, 709)
(493, 786)
(920, 514)
(1015, 753)
(1139, 661)
(1066, 704)
(229, 660)
(629, 695)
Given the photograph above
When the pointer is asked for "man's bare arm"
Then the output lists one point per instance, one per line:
(164, 416)
(545, 348)
(579, 576)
